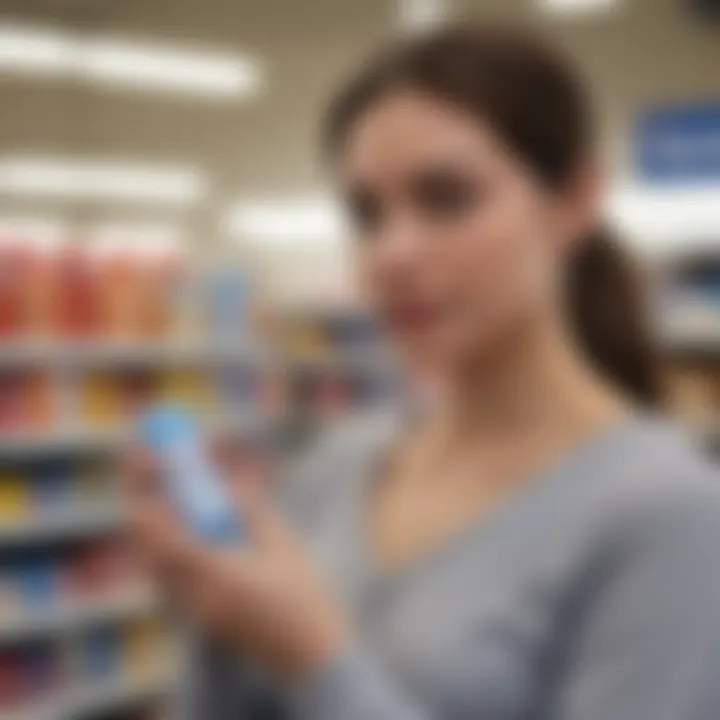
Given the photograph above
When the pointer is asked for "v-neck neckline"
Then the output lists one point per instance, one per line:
(482, 526)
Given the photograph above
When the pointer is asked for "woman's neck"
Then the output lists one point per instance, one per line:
(535, 387)
(500, 422)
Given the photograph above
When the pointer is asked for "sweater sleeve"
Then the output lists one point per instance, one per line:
(211, 684)
(352, 688)
(647, 642)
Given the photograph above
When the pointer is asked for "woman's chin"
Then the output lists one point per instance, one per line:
(425, 356)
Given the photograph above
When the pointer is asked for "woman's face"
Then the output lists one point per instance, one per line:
(459, 246)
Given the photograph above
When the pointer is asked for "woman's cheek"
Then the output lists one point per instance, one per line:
(486, 281)
(371, 279)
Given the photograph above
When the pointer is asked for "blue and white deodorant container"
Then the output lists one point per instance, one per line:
(194, 486)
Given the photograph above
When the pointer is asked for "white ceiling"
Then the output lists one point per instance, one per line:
(649, 51)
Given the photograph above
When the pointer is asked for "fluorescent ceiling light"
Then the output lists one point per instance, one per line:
(91, 179)
(577, 6)
(422, 14)
(129, 63)
(667, 218)
(286, 222)
(143, 66)
(35, 51)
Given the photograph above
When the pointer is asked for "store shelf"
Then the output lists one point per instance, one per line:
(694, 347)
(100, 353)
(88, 391)
(18, 445)
(48, 622)
(337, 309)
(104, 696)
(81, 521)
(351, 360)
(113, 695)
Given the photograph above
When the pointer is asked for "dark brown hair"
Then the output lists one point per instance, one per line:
(536, 102)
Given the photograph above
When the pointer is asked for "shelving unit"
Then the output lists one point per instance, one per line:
(83, 522)
(75, 616)
(251, 393)
(690, 332)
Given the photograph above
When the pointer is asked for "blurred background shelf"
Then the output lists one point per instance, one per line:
(18, 444)
(101, 697)
(84, 520)
(113, 695)
(355, 360)
(88, 354)
(693, 347)
(48, 621)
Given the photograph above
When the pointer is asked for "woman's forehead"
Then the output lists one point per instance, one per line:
(409, 132)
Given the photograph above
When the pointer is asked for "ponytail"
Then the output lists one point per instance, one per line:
(606, 311)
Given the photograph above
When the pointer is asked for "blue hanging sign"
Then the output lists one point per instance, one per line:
(679, 144)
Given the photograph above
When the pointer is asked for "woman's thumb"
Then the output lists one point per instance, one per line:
(261, 521)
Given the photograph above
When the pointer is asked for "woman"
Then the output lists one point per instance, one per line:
(534, 545)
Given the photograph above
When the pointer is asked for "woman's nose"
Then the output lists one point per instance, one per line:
(401, 241)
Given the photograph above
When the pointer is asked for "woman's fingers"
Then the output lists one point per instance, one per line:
(140, 472)
(228, 452)
(246, 477)
(239, 465)
(266, 527)
(163, 541)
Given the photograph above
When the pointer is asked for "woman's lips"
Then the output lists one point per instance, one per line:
(412, 317)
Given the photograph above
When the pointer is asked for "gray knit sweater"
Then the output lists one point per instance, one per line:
(592, 595)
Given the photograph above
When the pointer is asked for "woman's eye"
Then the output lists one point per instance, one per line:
(365, 211)
(444, 195)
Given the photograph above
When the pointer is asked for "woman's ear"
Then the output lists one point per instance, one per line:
(580, 206)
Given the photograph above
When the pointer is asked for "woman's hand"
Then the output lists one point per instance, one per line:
(263, 597)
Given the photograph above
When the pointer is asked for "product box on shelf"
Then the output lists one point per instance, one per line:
(100, 654)
(78, 292)
(145, 648)
(27, 400)
(15, 496)
(224, 296)
(50, 483)
(29, 674)
(51, 487)
(32, 582)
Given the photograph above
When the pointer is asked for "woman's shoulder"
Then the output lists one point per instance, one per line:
(645, 596)
(643, 486)
(662, 466)
(656, 493)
